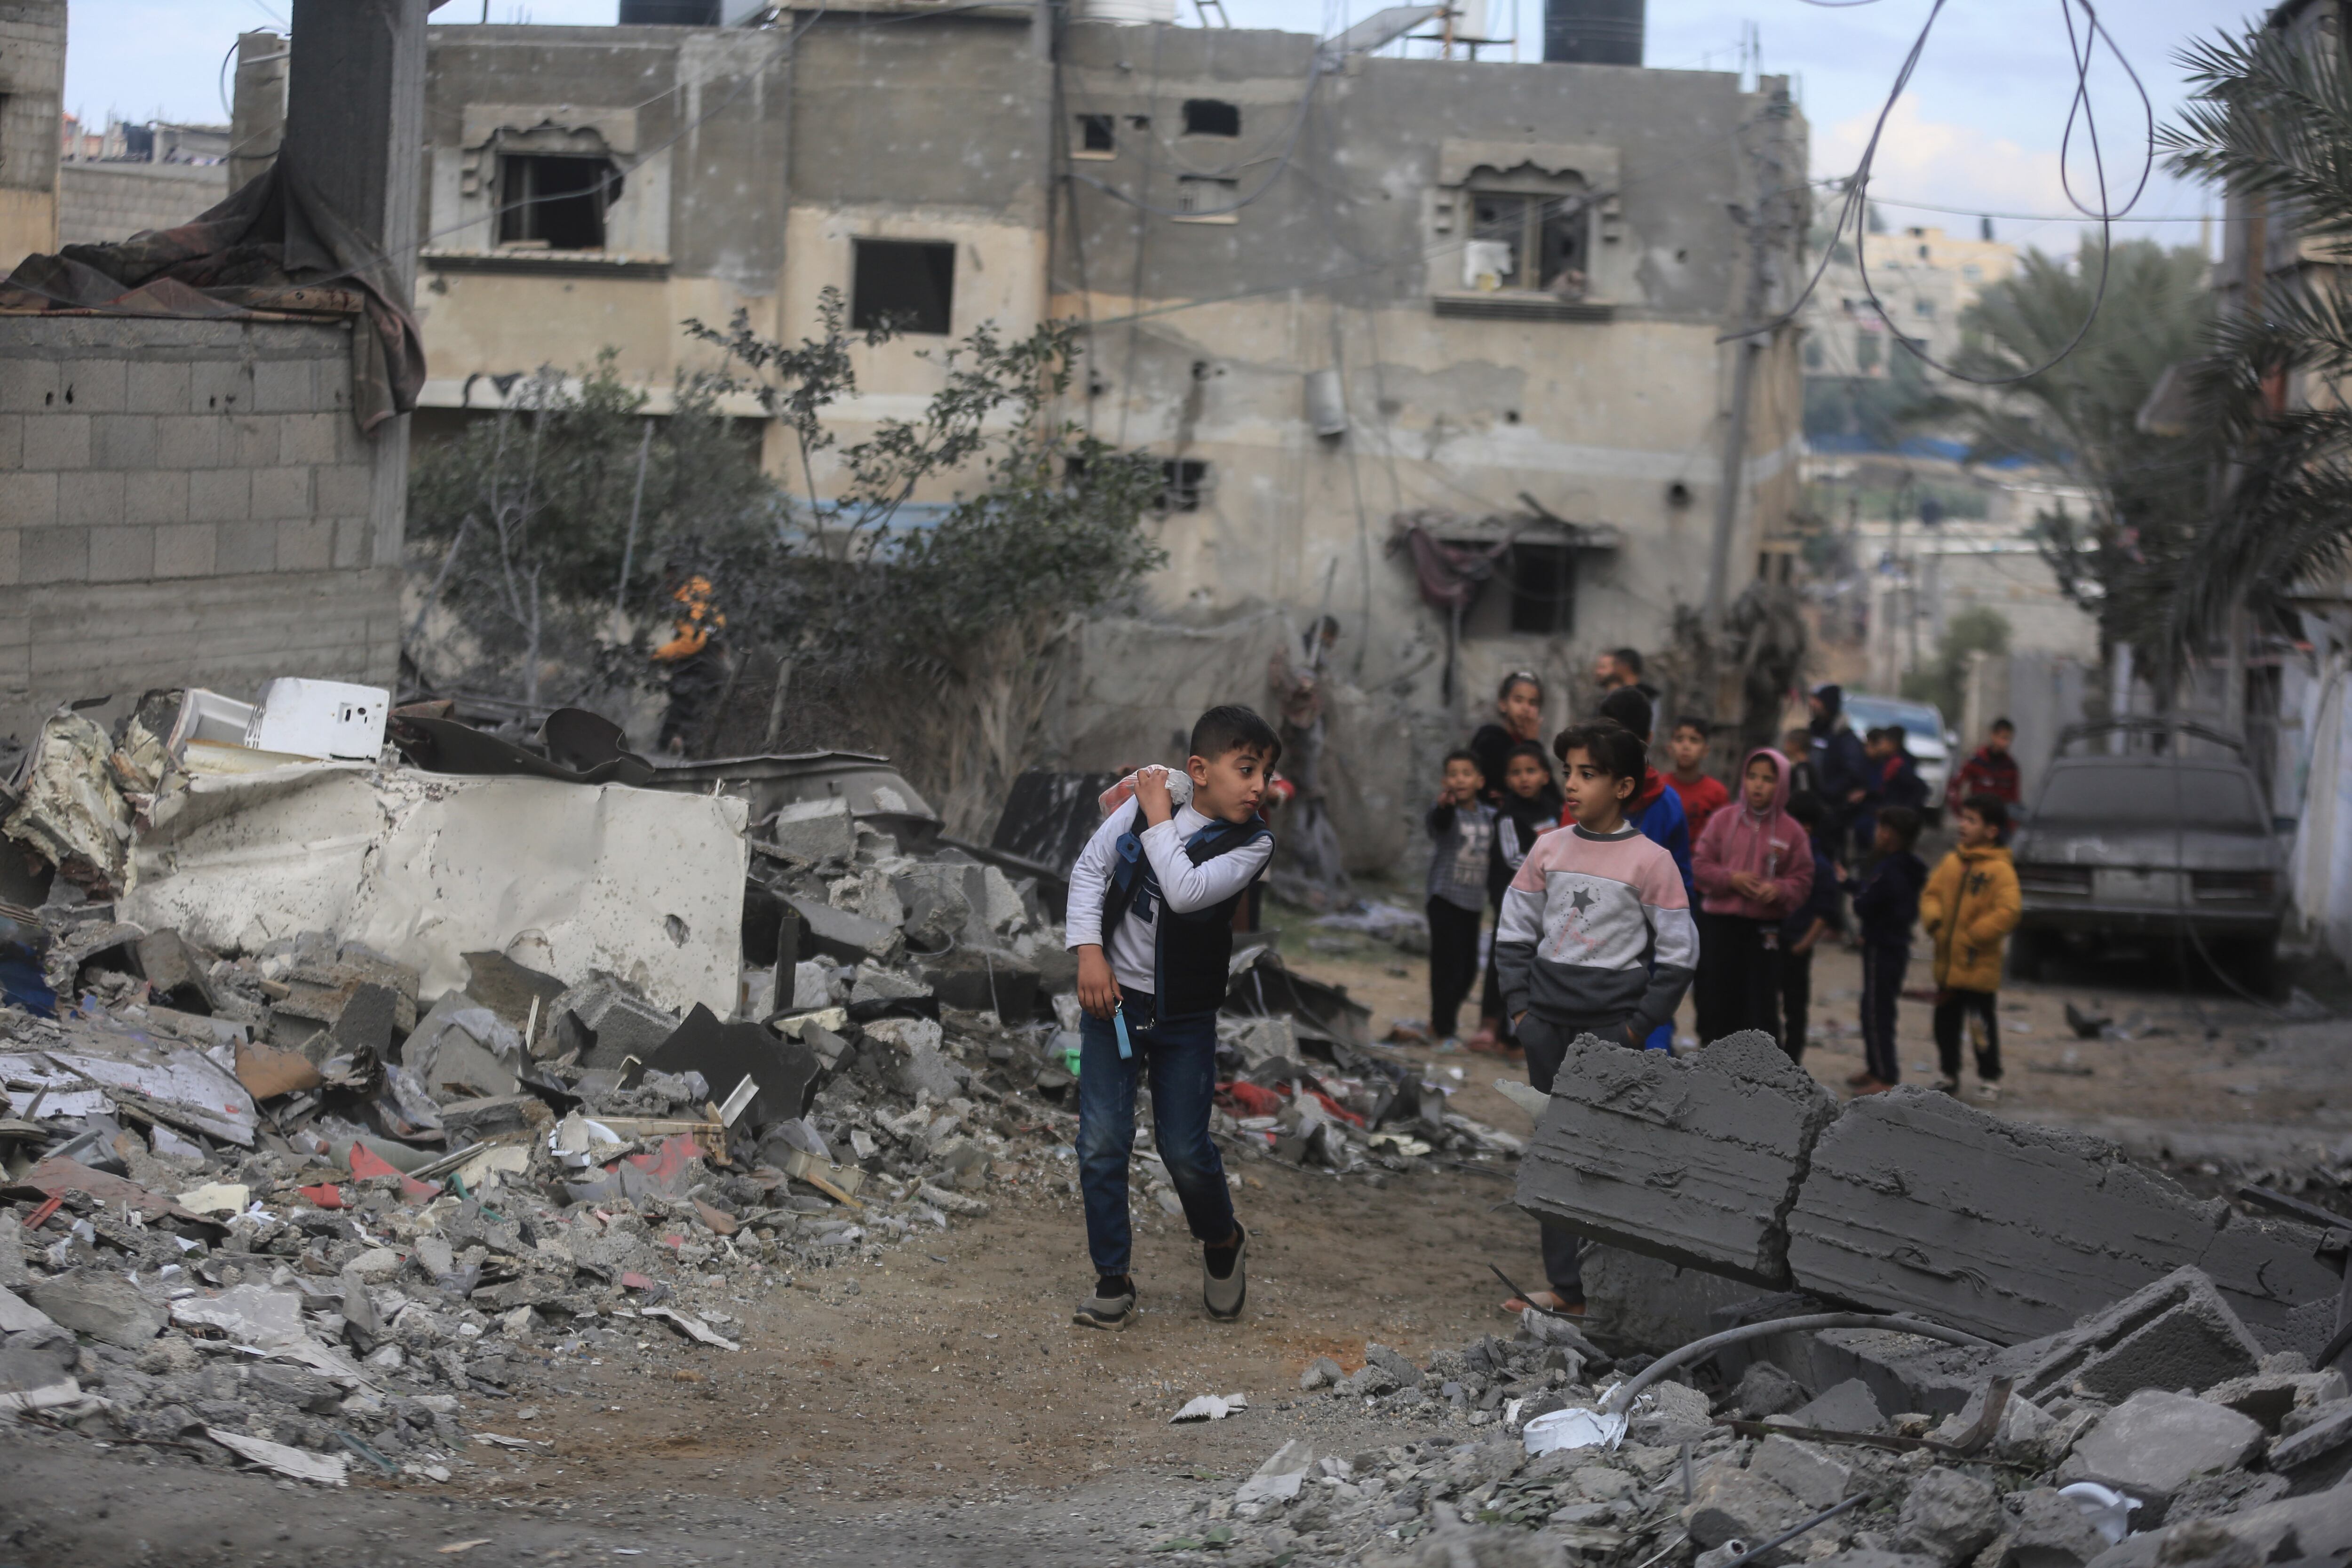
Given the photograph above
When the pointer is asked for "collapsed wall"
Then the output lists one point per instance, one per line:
(1737, 1163)
(1693, 1161)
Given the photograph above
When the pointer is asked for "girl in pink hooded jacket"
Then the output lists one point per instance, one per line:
(1753, 865)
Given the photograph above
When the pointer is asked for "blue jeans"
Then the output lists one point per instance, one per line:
(1181, 1057)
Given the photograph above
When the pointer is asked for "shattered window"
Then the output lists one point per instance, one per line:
(554, 203)
(910, 284)
(1181, 480)
(1211, 117)
(1097, 134)
(1526, 242)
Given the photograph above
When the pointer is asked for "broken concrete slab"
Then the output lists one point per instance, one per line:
(1915, 1202)
(18, 1316)
(2324, 1442)
(1947, 1515)
(1812, 1474)
(1731, 1504)
(176, 973)
(2047, 1531)
(1847, 1406)
(619, 1024)
(1694, 1161)
(2156, 1442)
(2314, 1528)
(180, 1084)
(461, 1050)
(517, 993)
(104, 1306)
(247, 1314)
(2270, 1397)
(643, 883)
(839, 935)
(2176, 1334)
(814, 831)
(725, 1054)
(471, 1121)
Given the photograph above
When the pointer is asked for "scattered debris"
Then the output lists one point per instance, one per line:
(1210, 1407)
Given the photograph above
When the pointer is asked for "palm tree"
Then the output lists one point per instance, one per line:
(2077, 412)
(2271, 121)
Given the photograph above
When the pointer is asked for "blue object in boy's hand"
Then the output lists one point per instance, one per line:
(1119, 1021)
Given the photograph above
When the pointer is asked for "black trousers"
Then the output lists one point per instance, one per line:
(1883, 965)
(1796, 1001)
(1973, 1009)
(1453, 962)
(1738, 977)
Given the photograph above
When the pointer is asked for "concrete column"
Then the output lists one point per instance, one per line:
(258, 119)
(355, 135)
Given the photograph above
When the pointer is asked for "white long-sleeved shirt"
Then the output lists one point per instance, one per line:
(1184, 886)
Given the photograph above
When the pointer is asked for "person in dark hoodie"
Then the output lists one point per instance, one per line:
(1529, 806)
(1755, 869)
(1656, 809)
(1842, 769)
(1885, 909)
(1518, 720)
(1821, 914)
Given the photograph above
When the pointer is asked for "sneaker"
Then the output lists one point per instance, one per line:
(1948, 1086)
(1860, 1079)
(1112, 1305)
(1224, 1298)
(1989, 1093)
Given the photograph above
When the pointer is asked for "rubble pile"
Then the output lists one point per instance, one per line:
(2156, 1430)
(315, 1198)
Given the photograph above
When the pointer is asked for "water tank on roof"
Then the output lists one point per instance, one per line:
(669, 12)
(1594, 32)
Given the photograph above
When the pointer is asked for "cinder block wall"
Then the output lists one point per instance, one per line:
(114, 201)
(182, 503)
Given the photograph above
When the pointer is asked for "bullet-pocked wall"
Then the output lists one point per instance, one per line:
(183, 503)
(1328, 296)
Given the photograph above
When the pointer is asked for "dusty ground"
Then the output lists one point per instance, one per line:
(938, 1408)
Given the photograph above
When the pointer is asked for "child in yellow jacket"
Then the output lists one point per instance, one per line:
(1968, 909)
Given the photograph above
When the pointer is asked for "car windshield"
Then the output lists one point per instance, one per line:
(1919, 721)
(2143, 795)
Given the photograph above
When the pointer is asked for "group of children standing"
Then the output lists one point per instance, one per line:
(1763, 877)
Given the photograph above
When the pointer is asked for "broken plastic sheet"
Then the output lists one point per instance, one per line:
(1573, 1429)
(298, 1463)
(646, 885)
(1210, 1407)
(183, 1082)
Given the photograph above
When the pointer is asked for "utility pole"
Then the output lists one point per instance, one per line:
(1746, 351)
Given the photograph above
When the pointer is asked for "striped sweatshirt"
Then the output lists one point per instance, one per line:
(1596, 928)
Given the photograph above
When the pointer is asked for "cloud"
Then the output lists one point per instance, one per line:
(1946, 163)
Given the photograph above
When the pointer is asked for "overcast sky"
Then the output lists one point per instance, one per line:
(1979, 129)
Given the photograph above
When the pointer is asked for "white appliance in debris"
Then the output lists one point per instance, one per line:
(319, 719)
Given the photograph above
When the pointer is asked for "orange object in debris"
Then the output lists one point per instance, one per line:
(697, 619)
(325, 1195)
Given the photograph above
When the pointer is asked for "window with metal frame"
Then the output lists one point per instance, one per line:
(1527, 242)
(553, 201)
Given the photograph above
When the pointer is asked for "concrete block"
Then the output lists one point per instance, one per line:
(1738, 1505)
(187, 441)
(2270, 1397)
(11, 442)
(121, 555)
(220, 495)
(1650, 1304)
(344, 490)
(28, 500)
(2050, 1532)
(57, 441)
(28, 385)
(310, 438)
(11, 558)
(351, 542)
(1947, 1515)
(103, 1305)
(305, 545)
(1694, 1161)
(281, 493)
(246, 547)
(155, 495)
(1915, 1202)
(843, 935)
(2175, 1333)
(122, 441)
(1811, 1473)
(2270, 1273)
(2156, 1442)
(185, 550)
(283, 386)
(55, 556)
(1847, 1408)
(252, 440)
(95, 385)
(90, 498)
(1901, 1371)
(156, 386)
(218, 386)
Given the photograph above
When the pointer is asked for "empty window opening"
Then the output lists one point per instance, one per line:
(1207, 201)
(1181, 482)
(1211, 117)
(1097, 136)
(1525, 242)
(554, 203)
(1543, 589)
(1138, 122)
(906, 284)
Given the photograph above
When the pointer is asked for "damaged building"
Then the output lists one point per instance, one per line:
(1343, 296)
